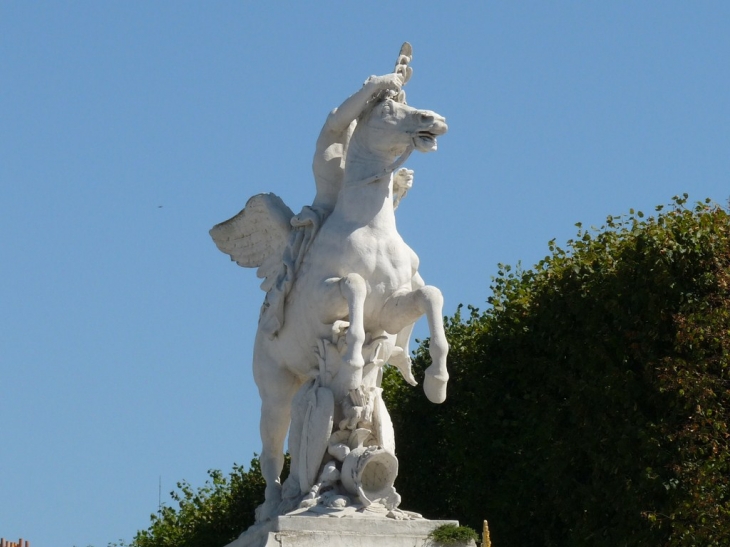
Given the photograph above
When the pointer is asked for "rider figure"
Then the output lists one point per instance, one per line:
(328, 164)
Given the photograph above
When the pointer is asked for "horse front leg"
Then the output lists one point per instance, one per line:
(402, 309)
(348, 292)
(401, 356)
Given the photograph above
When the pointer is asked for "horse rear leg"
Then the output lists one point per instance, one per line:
(276, 388)
(403, 309)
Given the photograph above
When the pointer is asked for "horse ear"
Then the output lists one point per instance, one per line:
(407, 75)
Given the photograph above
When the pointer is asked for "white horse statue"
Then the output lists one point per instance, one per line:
(339, 267)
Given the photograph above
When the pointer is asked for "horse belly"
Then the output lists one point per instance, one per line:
(293, 348)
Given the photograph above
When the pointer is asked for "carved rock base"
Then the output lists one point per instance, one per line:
(325, 530)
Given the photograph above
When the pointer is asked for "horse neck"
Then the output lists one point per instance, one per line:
(368, 203)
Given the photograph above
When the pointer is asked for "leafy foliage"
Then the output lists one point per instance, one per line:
(589, 404)
(451, 534)
(214, 514)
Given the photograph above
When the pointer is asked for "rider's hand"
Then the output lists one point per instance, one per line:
(403, 69)
(388, 81)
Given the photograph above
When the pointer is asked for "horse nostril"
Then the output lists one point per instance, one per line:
(426, 118)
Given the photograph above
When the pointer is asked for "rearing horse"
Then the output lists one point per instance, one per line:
(357, 269)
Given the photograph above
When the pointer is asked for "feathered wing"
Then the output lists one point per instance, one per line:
(257, 236)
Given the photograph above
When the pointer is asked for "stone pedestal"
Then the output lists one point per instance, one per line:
(326, 531)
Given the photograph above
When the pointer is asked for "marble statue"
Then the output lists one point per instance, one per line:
(342, 294)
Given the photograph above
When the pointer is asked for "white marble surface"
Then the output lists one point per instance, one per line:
(342, 294)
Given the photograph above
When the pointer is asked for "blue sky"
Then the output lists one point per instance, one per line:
(130, 128)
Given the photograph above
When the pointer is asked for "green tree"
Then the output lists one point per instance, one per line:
(213, 515)
(588, 405)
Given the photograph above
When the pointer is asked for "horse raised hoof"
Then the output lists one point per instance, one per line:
(400, 360)
(434, 385)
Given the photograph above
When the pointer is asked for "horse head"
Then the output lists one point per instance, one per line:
(390, 127)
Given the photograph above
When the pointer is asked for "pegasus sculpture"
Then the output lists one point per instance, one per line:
(342, 294)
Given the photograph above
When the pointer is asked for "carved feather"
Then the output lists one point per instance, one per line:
(256, 237)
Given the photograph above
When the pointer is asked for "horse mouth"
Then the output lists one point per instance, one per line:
(425, 141)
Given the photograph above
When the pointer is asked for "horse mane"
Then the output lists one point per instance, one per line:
(376, 99)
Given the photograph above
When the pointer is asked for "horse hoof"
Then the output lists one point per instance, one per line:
(267, 510)
(434, 386)
(402, 362)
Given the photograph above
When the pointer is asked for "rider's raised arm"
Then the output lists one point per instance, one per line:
(341, 117)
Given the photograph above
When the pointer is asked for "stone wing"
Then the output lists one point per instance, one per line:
(256, 237)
